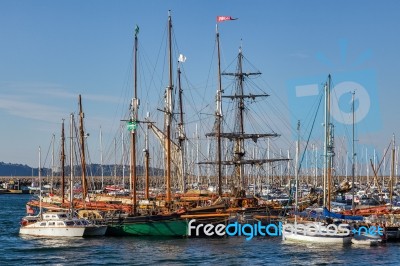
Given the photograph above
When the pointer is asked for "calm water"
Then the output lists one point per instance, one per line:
(16, 250)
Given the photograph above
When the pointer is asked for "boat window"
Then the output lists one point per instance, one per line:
(52, 223)
(60, 223)
(43, 224)
(69, 223)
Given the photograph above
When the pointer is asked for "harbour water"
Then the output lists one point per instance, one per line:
(16, 250)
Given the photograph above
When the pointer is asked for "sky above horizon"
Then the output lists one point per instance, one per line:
(52, 51)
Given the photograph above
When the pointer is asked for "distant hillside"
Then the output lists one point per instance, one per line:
(9, 169)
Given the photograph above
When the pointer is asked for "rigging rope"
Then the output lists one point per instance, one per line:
(309, 136)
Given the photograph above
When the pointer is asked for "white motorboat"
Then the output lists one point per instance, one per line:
(59, 224)
(368, 240)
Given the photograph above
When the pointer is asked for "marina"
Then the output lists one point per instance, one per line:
(174, 251)
(200, 157)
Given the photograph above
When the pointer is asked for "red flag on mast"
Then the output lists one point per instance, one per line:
(224, 18)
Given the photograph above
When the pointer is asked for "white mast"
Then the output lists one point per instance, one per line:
(101, 159)
(297, 167)
(71, 180)
(40, 185)
(353, 154)
(326, 141)
(52, 163)
(123, 158)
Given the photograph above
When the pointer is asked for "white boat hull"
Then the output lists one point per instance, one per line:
(53, 231)
(58, 224)
(316, 232)
(316, 239)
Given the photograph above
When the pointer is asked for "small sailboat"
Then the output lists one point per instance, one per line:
(317, 232)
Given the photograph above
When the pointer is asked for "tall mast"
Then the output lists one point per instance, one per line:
(181, 132)
(71, 162)
(115, 158)
(218, 117)
(146, 162)
(40, 184)
(392, 171)
(168, 114)
(239, 131)
(52, 163)
(134, 118)
(238, 135)
(123, 158)
(327, 145)
(353, 204)
(296, 170)
(197, 156)
(101, 159)
(62, 162)
(239, 128)
(83, 162)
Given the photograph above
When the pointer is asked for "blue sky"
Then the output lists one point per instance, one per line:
(52, 51)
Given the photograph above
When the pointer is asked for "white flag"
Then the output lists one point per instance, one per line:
(182, 58)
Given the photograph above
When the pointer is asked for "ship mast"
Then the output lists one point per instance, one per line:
(83, 162)
(146, 163)
(239, 135)
(40, 183)
(353, 204)
(392, 171)
(218, 117)
(328, 146)
(168, 116)
(62, 162)
(71, 179)
(132, 124)
(181, 134)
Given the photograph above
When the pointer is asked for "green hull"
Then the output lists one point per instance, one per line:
(169, 228)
